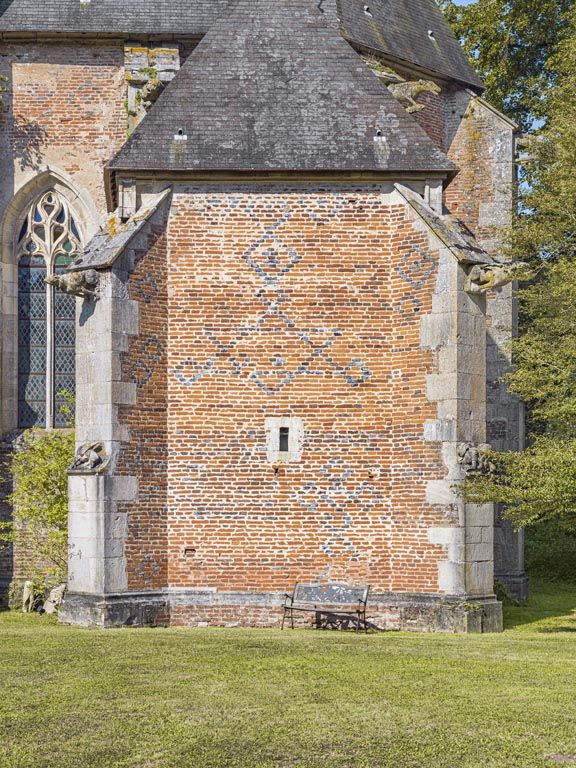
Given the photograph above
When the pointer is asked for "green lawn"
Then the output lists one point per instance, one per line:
(266, 699)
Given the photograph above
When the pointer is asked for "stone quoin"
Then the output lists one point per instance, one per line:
(260, 241)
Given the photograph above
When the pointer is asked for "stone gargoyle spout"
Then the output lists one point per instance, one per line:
(84, 284)
(90, 458)
(486, 277)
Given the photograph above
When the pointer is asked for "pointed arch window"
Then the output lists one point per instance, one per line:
(48, 241)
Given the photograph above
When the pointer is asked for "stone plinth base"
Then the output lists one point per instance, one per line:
(516, 586)
(386, 611)
(135, 609)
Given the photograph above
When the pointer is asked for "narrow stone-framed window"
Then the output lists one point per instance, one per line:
(48, 240)
(284, 439)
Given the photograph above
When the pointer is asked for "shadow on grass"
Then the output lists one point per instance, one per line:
(551, 608)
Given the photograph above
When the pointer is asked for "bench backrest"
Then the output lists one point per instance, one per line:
(330, 594)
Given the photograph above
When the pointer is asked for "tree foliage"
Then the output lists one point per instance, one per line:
(540, 484)
(510, 43)
(546, 229)
(39, 527)
(536, 486)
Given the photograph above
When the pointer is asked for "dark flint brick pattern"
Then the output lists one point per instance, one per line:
(146, 456)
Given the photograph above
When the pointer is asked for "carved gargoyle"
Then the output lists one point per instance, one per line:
(527, 147)
(83, 284)
(408, 91)
(485, 277)
(475, 459)
(90, 458)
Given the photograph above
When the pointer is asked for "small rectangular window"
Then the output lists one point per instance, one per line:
(284, 439)
(284, 445)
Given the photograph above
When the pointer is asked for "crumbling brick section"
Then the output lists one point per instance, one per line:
(283, 301)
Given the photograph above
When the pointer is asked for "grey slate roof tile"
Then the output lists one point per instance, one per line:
(397, 28)
(411, 30)
(273, 86)
(153, 17)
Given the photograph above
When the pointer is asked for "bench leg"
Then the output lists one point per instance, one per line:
(283, 618)
(292, 618)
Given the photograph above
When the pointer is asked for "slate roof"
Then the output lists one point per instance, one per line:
(414, 31)
(139, 17)
(397, 28)
(273, 86)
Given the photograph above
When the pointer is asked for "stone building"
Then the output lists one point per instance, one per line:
(270, 234)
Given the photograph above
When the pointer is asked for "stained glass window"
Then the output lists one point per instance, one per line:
(48, 241)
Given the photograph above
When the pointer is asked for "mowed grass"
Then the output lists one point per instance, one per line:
(214, 698)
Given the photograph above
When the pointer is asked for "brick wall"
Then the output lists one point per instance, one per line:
(289, 302)
(432, 117)
(66, 109)
(145, 457)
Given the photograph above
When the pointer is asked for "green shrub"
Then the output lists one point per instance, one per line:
(39, 528)
(551, 552)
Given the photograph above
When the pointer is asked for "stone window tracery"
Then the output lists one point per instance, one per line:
(48, 241)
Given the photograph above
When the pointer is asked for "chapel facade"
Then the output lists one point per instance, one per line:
(259, 243)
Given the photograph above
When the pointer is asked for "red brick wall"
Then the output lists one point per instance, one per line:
(66, 109)
(432, 117)
(145, 457)
(471, 151)
(288, 301)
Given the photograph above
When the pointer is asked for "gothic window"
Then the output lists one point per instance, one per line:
(48, 241)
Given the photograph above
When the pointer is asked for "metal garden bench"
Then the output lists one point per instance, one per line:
(330, 600)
